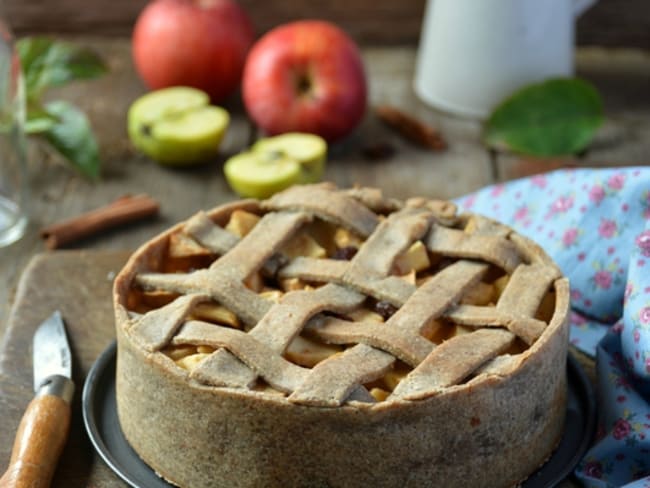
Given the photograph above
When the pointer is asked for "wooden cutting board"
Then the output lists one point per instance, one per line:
(78, 283)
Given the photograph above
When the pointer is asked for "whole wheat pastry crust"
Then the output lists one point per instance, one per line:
(482, 408)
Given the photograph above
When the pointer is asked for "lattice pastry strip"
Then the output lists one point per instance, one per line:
(452, 361)
(437, 295)
(526, 289)
(209, 235)
(323, 200)
(393, 236)
(257, 247)
(375, 200)
(457, 243)
(313, 269)
(527, 328)
(155, 329)
(218, 240)
(410, 348)
(391, 289)
(330, 382)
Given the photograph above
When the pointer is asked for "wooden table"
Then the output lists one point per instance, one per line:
(622, 76)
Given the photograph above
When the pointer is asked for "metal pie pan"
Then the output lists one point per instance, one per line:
(103, 427)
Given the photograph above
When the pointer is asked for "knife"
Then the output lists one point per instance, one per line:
(43, 430)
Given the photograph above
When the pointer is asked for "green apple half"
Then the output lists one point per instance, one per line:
(275, 163)
(177, 126)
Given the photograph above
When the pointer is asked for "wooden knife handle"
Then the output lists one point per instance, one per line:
(40, 439)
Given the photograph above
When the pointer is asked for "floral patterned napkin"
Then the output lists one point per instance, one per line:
(595, 223)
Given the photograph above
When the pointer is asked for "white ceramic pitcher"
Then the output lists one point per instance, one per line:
(474, 53)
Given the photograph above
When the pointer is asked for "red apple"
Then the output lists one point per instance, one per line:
(305, 76)
(197, 43)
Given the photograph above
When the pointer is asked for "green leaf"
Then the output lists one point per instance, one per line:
(553, 118)
(47, 63)
(72, 136)
(38, 120)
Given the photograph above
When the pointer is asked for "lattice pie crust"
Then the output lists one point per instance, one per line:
(329, 337)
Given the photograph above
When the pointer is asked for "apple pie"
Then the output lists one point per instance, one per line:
(337, 337)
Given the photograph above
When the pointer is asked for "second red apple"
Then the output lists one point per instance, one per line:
(305, 76)
(197, 43)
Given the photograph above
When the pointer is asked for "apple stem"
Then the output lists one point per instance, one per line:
(303, 84)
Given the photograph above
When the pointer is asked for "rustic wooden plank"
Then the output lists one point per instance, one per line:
(615, 23)
(103, 17)
(383, 21)
(610, 23)
(79, 285)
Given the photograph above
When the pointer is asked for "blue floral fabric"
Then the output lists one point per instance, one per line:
(595, 223)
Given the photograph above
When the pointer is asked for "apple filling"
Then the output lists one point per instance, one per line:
(325, 240)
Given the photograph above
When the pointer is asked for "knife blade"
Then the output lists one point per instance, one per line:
(43, 430)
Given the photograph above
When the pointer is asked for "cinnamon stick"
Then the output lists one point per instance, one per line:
(411, 128)
(123, 210)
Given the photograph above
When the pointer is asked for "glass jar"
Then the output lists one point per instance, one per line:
(13, 166)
